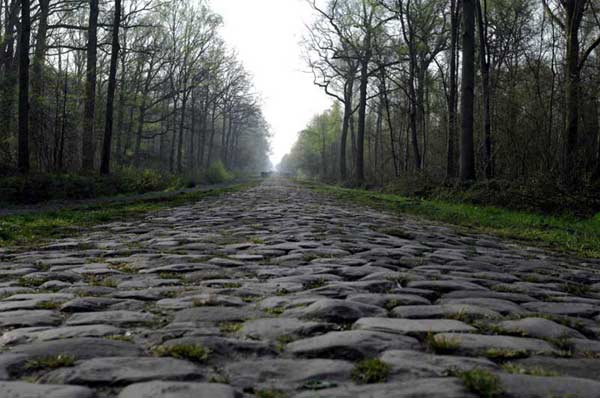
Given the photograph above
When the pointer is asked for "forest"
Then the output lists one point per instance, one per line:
(500, 93)
(93, 87)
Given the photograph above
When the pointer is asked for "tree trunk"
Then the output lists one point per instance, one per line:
(574, 14)
(362, 113)
(485, 83)
(180, 137)
(89, 145)
(23, 152)
(349, 89)
(467, 155)
(37, 92)
(453, 91)
(110, 95)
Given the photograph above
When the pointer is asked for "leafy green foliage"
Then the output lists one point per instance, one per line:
(38, 188)
(217, 173)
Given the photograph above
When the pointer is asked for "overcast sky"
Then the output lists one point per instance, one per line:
(266, 35)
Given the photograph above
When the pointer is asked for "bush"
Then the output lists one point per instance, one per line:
(217, 173)
(38, 188)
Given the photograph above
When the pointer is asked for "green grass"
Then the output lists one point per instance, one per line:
(566, 233)
(230, 327)
(31, 228)
(194, 353)
(482, 382)
(500, 354)
(370, 371)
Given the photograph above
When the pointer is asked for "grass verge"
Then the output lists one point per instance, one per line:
(25, 229)
(566, 233)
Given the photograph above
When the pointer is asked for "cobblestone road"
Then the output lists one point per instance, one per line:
(279, 292)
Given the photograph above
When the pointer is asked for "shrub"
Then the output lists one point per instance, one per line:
(37, 188)
(217, 173)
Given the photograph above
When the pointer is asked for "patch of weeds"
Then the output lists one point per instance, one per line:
(282, 292)
(274, 311)
(270, 394)
(95, 280)
(370, 371)
(482, 382)
(47, 305)
(564, 354)
(191, 352)
(231, 285)
(256, 240)
(50, 362)
(169, 294)
(590, 355)
(402, 280)
(315, 284)
(531, 371)
(230, 327)
(463, 316)
(441, 344)
(502, 354)
(282, 341)
(576, 289)
(309, 257)
(532, 278)
(563, 342)
(169, 275)
(124, 268)
(219, 379)
(495, 329)
(397, 232)
(391, 304)
(30, 282)
(250, 299)
(505, 289)
(119, 337)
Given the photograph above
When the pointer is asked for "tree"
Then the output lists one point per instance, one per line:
(89, 145)
(25, 32)
(112, 78)
(467, 153)
(573, 13)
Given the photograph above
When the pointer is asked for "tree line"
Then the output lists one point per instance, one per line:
(93, 85)
(460, 90)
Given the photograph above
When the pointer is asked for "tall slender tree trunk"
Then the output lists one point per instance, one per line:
(485, 83)
(88, 139)
(110, 95)
(453, 91)
(574, 14)
(362, 113)
(467, 153)
(348, 91)
(40, 145)
(25, 32)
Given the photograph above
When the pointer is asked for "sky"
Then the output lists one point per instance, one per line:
(266, 35)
